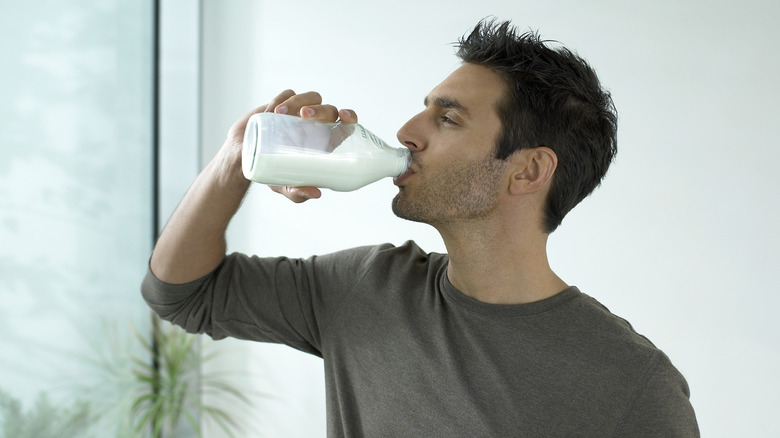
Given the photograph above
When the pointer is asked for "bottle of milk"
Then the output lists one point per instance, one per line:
(281, 149)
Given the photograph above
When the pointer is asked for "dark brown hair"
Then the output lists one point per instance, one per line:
(553, 99)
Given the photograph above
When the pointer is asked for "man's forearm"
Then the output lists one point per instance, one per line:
(192, 243)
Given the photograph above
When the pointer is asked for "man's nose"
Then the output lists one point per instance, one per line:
(411, 134)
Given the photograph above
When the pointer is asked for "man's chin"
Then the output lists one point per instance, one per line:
(397, 205)
(397, 210)
(403, 210)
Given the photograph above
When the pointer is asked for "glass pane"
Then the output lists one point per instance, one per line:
(75, 212)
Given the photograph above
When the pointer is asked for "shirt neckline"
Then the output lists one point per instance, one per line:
(504, 310)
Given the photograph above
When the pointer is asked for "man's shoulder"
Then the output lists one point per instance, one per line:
(408, 252)
(608, 327)
(628, 361)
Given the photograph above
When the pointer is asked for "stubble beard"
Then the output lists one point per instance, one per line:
(466, 193)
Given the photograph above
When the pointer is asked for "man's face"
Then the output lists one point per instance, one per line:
(454, 175)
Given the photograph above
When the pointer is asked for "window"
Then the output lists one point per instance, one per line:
(76, 212)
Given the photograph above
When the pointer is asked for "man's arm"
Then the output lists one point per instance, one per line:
(192, 244)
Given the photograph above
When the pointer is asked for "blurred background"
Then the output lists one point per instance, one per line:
(111, 107)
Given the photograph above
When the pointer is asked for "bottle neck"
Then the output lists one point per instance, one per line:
(403, 162)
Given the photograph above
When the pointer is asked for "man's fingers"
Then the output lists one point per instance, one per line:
(348, 116)
(293, 104)
(309, 106)
(320, 113)
(298, 194)
(279, 100)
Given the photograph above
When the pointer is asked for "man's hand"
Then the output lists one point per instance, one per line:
(308, 106)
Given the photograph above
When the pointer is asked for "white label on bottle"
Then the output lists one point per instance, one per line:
(373, 138)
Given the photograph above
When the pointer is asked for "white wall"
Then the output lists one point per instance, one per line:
(680, 240)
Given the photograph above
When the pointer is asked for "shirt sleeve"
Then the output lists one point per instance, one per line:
(662, 406)
(280, 300)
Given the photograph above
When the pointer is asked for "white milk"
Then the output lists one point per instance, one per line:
(333, 171)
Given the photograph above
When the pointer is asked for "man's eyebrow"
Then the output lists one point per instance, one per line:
(445, 102)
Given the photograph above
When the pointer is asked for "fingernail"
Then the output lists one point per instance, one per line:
(281, 109)
(307, 112)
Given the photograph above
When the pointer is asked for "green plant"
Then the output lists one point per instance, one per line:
(171, 384)
(44, 419)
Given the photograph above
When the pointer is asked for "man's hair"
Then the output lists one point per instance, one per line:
(553, 99)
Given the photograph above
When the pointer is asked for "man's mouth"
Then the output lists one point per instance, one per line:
(399, 180)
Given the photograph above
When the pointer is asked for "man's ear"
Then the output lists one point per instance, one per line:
(532, 169)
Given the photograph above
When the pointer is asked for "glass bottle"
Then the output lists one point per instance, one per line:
(281, 149)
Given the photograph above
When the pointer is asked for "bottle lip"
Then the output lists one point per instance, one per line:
(404, 161)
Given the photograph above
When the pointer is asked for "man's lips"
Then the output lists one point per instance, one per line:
(399, 180)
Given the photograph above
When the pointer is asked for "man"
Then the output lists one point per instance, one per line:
(485, 340)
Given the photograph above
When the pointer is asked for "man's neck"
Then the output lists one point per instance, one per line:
(494, 265)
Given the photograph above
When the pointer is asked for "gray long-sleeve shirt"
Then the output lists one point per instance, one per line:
(408, 355)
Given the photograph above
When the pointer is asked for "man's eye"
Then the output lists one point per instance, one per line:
(447, 120)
